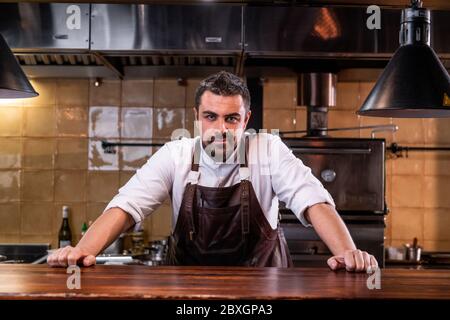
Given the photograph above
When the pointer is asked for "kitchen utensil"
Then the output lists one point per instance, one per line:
(413, 252)
(113, 259)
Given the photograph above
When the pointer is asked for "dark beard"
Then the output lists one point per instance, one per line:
(220, 153)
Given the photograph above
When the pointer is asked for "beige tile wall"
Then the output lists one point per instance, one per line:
(44, 153)
(416, 186)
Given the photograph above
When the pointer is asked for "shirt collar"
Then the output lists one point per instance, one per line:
(206, 160)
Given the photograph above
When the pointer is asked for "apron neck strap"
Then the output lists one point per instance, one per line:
(196, 156)
(243, 151)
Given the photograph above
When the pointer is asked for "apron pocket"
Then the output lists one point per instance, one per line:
(219, 230)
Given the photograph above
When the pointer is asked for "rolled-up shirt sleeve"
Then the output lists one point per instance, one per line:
(148, 188)
(294, 183)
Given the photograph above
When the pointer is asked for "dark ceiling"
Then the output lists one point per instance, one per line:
(432, 4)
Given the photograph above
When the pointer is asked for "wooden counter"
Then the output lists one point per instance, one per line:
(141, 282)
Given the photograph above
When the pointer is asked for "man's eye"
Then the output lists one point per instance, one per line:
(232, 119)
(210, 117)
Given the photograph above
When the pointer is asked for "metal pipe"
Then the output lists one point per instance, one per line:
(378, 128)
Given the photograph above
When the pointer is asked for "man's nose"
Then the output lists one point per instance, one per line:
(223, 126)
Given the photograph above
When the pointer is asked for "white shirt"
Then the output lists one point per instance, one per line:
(275, 173)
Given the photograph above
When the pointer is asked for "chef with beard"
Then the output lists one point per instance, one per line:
(224, 186)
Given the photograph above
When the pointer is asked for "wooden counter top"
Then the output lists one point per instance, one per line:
(141, 282)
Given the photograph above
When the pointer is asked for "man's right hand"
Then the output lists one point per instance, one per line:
(100, 235)
(70, 256)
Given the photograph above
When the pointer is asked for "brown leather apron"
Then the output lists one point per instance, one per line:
(225, 226)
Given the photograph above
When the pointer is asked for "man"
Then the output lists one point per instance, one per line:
(225, 186)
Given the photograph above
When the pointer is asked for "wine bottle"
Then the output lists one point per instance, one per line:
(84, 228)
(65, 235)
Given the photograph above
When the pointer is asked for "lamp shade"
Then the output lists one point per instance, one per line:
(414, 84)
(13, 81)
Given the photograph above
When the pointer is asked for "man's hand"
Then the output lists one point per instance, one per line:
(70, 256)
(353, 260)
(99, 236)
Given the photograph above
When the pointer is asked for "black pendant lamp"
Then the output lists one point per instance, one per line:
(13, 81)
(414, 84)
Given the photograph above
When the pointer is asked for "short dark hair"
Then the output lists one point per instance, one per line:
(223, 83)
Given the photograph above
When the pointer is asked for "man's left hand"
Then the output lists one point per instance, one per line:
(353, 261)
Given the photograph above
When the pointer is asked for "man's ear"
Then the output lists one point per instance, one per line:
(195, 113)
(247, 117)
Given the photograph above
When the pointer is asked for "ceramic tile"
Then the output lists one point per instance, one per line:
(437, 163)
(70, 186)
(300, 121)
(137, 123)
(169, 94)
(167, 121)
(10, 153)
(11, 121)
(94, 210)
(72, 122)
(104, 122)
(72, 93)
(407, 191)
(39, 238)
(102, 186)
(407, 223)
(347, 96)
(412, 165)
(9, 185)
(99, 160)
(38, 153)
(411, 131)
(189, 124)
(37, 185)
(10, 238)
(107, 94)
(10, 218)
(437, 224)
(137, 93)
(37, 218)
(39, 122)
(71, 153)
(442, 246)
(133, 158)
(279, 119)
(437, 131)
(191, 87)
(280, 93)
(343, 119)
(436, 191)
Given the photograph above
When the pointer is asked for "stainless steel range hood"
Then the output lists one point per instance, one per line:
(114, 40)
(133, 40)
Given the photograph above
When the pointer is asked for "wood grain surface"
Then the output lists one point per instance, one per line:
(142, 282)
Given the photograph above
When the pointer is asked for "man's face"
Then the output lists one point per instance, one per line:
(222, 121)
